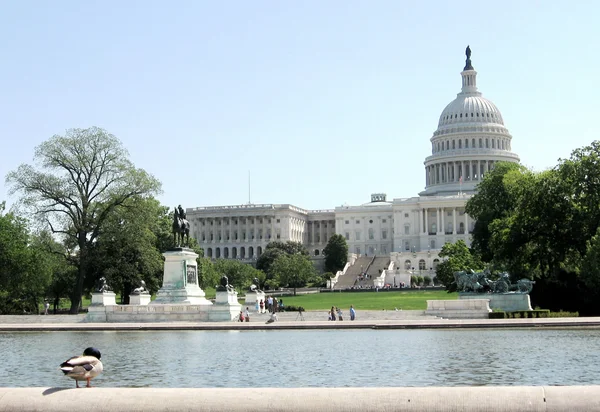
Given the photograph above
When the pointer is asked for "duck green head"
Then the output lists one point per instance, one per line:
(92, 352)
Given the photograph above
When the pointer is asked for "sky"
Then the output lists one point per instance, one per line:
(312, 103)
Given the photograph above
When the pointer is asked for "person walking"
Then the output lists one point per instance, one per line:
(352, 313)
(46, 307)
(262, 306)
(247, 314)
(332, 313)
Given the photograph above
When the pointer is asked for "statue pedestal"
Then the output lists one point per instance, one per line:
(139, 299)
(97, 309)
(103, 299)
(180, 279)
(253, 296)
(508, 302)
(226, 307)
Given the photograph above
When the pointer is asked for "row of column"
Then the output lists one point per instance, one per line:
(440, 221)
(451, 172)
(324, 233)
(264, 228)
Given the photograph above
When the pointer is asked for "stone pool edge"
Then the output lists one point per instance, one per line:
(363, 399)
(299, 325)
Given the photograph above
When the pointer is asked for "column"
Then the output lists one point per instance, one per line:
(321, 231)
(420, 222)
(426, 222)
(442, 224)
(454, 221)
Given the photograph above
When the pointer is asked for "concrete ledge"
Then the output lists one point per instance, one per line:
(295, 325)
(486, 398)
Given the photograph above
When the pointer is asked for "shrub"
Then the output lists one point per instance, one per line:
(292, 308)
(419, 280)
(426, 280)
(497, 315)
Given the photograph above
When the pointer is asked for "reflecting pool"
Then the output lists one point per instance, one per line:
(310, 358)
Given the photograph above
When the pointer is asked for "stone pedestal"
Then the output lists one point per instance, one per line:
(252, 297)
(139, 299)
(103, 299)
(508, 302)
(226, 307)
(97, 309)
(459, 309)
(180, 279)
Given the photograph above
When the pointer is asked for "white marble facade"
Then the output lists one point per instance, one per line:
(470, 138)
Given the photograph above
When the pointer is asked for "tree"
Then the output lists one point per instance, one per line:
(240, 275)
(81, 178)
(458, 258)
(495, 199)
(272, 252)
(293, 270)
(127, 249)
(336, 253)
(26, 265)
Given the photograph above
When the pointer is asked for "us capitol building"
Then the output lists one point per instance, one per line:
(407, 232)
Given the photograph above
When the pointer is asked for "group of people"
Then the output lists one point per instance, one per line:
(336, 313)
(270, 304)
(244, 316)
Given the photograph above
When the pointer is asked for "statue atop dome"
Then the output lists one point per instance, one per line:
(468, 65)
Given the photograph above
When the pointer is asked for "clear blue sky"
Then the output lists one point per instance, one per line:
(325, 102)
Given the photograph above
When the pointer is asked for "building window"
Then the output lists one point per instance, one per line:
(384, 234)
(432, 244)
(406, 215)
(407, 229)
(211, 236)
(347, 235)
(357, 235)
(384, 221)
(371, 234)
(277, 220)
(407, 264)
(406, 245)
(370, 221)
(235, 235)
(422, 265)
(358, 222)
(347, 222)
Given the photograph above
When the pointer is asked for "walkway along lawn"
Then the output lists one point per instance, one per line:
(414, 300)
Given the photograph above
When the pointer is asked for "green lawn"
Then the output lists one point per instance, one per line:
(413, 300)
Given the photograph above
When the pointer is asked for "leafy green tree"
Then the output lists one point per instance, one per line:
(80, 180)
(26, 266)
(293, 270)
(458, 257)
(496, 198)
(240, 275)
(336, 253)
(272, 252)
(127, 247)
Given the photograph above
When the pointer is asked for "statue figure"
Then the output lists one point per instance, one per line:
(481, 282)
(141, 289)
(102, 286)
(225, 286)
(181, 228)
(468, 65)
(254, 287)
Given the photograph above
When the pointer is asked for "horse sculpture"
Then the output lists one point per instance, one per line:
(181, 228)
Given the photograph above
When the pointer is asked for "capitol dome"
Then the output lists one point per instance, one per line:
(470, 139)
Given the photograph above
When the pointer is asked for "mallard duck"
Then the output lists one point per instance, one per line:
(83, 368)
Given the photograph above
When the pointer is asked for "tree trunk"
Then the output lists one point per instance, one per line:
(78, 291)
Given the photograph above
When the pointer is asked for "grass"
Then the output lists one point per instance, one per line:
(414, 300)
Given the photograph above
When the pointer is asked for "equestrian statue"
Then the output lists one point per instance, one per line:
(181, 227)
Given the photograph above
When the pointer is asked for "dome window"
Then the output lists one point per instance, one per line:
(466, 143)
(471, 114)
(477, 114)
(461, 115)
(460, 144)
